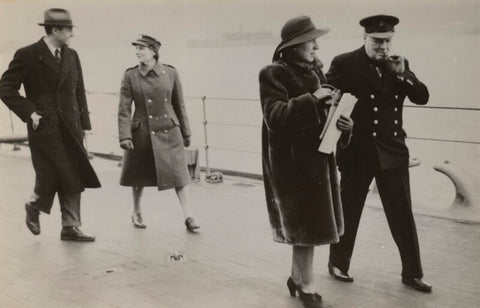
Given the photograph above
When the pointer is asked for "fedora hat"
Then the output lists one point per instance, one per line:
(299, 30)
(57, 17)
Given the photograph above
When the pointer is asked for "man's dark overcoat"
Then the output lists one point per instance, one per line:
(56, 92)
(301, 184)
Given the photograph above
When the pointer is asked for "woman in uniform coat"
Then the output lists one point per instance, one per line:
(155, 136)
(301, 185)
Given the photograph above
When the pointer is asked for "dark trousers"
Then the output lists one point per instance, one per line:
(394, 189)
(69, 206)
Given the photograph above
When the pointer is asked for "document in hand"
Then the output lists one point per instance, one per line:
(331, 133)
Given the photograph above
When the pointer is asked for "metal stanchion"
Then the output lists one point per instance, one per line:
(90, 155)
(16, 147)
(210, 177)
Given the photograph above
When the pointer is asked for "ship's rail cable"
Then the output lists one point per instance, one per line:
(250, 100)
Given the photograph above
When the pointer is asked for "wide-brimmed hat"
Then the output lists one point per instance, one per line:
(147, 41)
(379, 26)
(57, 17)
(299, 30)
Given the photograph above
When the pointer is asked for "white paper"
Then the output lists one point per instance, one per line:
(331, 133)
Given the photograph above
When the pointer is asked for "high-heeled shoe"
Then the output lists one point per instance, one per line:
(310, 300)
(190, 224)
(137, 221)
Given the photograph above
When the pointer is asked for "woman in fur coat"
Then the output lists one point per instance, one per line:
(301, 185)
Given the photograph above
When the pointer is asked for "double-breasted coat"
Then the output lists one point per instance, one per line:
(301, 184)
(378, 112)
(157, 127)
(55, 91)
(377, 150)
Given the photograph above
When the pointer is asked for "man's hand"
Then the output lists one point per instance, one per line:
(344, 123)
(35, 120)
(396, 64)
(126, 144)
(186, 141)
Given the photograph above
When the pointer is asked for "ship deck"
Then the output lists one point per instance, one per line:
(231, 262)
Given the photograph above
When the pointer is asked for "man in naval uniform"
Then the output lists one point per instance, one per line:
(55, 110)
(381, 82)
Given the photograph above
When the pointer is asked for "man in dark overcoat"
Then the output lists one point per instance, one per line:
(55, 110)
(380, 82)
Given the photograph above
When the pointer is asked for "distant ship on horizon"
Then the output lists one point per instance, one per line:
(237, 38)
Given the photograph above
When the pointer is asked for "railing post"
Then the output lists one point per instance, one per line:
(207, 167)
(16, 147)
(210, 177)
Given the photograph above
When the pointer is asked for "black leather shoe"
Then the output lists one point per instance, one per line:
(309, 300)
(74, 234)
(33, 223)
(191, 225)
(338, 274)
(417, 284)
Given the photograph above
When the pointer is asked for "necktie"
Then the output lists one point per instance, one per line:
(57, 55)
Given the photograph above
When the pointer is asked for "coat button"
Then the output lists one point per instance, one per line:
(165, 131)
(396, 121)
(150, 116)
(375, 109)
(396, 96)
(149, 100)
(375, 121)
(372, 96)
(394, 133)
(153, 133)
(163, 72)
(396, 109)
(166, 99)
(374, 134)
(165, 116)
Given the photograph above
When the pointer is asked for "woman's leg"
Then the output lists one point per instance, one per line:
(302, 267)
(137, 195)
(183, 195)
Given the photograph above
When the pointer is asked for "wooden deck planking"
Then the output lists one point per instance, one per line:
(232, 262)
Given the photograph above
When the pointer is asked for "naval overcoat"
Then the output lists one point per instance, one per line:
(301, 184)
(378, 130)
(157, 127)
(55, 91)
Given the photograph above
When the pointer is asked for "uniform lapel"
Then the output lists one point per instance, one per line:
(46, 57)
(66, 65)
(366, 68)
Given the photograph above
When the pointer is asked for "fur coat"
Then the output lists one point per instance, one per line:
(301, 184)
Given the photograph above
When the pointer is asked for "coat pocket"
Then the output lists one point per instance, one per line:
(135, 125)
(161, 123)
(175, 121)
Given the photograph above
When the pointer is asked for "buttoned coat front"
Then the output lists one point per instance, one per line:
(157, 127)
(378, 130)
(56, 92)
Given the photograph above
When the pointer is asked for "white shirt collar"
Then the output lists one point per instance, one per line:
(50, 46)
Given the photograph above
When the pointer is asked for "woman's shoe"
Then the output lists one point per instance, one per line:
(310, 300)
(137, 221)
(190, 224)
